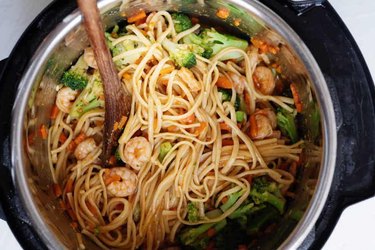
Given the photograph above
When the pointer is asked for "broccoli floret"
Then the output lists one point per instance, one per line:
(181, 54)
(243, 210)
(197, 238)
(261, 219)
(265, 191)
(122, 47)
(190, 235)
(91, 97)
(218, 42)
(205, 49)
(193, 213)
(181, 22)
(76, 77)
(165, 147)
(231, 200)
(287, 125)
(240, 116)
(226, 94)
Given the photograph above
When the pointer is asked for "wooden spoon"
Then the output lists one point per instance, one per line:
(117, 99)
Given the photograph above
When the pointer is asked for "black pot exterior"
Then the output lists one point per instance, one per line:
(345, 71)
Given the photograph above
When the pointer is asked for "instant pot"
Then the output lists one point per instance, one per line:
(348, 93)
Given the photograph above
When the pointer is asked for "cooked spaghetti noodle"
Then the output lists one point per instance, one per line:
(182, 143)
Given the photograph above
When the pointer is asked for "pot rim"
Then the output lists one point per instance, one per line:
(262, 12)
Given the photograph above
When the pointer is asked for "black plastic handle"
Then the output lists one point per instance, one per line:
(353, 94)
(2, 67)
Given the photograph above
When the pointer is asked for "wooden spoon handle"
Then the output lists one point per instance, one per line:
(117, 100)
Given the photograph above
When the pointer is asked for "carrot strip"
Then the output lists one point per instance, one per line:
(62, 204)
(224, 200)
(189, 120)
(43, 132)
(222, 13)
(224, 126)
(54, 112)
(72, 214)
(72, 145)
(91, 208)
(166, 70)
(224, 82)
(253, 127)
(62, 138)
(57, 190)
(296, 98)
(108, 179)
(201, 127)
(127, 76)
(69, 185)
(74, 225)
(79, 138)
(227, 142)
(211, 232)
(137, 16)
(172, 128)
(112, 160)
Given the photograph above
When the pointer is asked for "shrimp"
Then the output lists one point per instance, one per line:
(65, 98)
(239, 82)
(137, 152)
(89, 58)
(85, 148)
(262, 124)
(264, 80)
(188, 77)
(125, 183)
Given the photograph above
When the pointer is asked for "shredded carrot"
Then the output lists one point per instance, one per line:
(224, 82)
(79, 138)
(189, 120)
(62, 204)
(62, 138)
(242, 247)
(72, 145)
(140, 21)
(31, 138)
(293, 168)
(72, 214)
(222, 13)
(224, 126)
(194, 20)
(211, 232)
(91, 208)
(201, 127)
(43, 132)
(74, 225)
(122, 122)
(236, 22)
(172, 128)
(54, 112)
(166, 70)
(224, 200)
(227, 142)
(119, 206)
(57, 190)
(137, 16)
(69, 185)
(112, 160)
(296, 97)
(111, 178)
(249, 178)
(127, 76)
(253, 126)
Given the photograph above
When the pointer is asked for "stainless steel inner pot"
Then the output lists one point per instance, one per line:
(36, 96)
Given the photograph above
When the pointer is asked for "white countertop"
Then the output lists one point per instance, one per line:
(355, 229)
